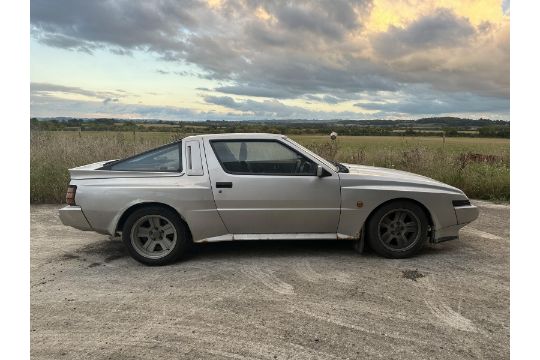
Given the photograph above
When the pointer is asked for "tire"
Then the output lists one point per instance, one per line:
(398, 229)
(155, 235)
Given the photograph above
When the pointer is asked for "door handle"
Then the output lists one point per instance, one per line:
(220, 184)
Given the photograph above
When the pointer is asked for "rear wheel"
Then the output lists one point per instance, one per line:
(155, 236)
(398, 229)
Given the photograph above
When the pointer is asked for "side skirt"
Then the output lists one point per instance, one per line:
(233, 237)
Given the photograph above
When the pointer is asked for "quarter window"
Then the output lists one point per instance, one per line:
(162, 159)
(261, 158)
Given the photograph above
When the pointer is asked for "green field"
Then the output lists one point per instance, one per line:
(53, 152)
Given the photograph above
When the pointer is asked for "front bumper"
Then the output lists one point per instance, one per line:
(73, 216)
(464, 216)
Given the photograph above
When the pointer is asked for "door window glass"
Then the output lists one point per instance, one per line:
(261, 158)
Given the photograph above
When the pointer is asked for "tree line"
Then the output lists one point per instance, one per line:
(450, 127)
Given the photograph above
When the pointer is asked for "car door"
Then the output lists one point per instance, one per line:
(268, 187)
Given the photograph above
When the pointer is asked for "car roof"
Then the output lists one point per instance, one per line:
(237, 136)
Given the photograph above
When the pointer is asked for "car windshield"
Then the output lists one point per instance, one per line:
(335, 167)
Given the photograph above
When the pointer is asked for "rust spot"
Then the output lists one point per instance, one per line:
(359, 204)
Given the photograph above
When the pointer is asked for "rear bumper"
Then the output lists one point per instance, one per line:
(464, 215)
(74, 217)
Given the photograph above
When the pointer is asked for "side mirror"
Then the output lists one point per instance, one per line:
(320, 170)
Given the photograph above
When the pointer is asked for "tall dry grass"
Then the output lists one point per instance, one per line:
(53, 153)
(479, 180)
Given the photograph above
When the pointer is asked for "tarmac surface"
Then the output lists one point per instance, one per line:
(270, 299)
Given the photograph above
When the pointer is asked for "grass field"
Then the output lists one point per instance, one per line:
(52, 153)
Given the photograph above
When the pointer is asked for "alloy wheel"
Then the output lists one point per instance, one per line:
(399, 229)
(153, 236)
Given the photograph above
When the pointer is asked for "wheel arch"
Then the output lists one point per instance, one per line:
(130, 210)
(424, 208)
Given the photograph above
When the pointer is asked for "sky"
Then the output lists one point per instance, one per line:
(249, 60)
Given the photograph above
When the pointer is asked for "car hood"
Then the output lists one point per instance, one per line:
(362, 175)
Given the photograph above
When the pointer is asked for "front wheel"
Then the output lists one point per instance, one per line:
(398, 229)
(155, 236)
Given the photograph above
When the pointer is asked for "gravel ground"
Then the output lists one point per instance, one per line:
(270, 300)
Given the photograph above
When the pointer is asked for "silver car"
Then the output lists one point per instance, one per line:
(227, 187)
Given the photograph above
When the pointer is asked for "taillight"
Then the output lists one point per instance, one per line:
(70, 195)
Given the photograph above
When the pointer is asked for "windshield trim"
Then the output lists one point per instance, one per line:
(312, 154)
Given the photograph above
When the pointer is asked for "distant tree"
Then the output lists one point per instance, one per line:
(74, 122)
(410, 132)
(104, 121)
(495, 131)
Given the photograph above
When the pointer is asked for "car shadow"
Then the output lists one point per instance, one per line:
(109, 250)
(271, 248)
(97, 253)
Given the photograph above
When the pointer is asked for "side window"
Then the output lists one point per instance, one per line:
(261, 158)
(163, 159)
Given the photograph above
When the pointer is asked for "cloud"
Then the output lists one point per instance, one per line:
(121, 24)
(257, 91)
(442, 29)
(224, 47)
(426, 101)
(108, 100)
(62, 41)
(50, 106)
(279, 50)
(226, 101)
(184, 73)
(330, 19)
(303, 74)
(268, 108)
(427, 104)
(329, 99)
(47, 89)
